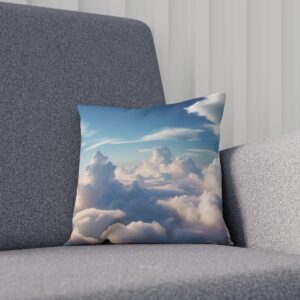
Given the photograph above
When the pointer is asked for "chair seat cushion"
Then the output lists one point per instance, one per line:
(148, 272)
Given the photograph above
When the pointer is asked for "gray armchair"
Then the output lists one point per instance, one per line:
(49, 61)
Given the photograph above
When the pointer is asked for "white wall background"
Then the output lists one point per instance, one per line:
(248, 48)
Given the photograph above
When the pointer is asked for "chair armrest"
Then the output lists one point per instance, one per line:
(261, 191)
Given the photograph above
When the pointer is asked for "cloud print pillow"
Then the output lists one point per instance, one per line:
(150, 175)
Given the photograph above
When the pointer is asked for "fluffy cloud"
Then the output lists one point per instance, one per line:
(195, 210)
(210, 108)
(161, 155)
(99, 172)
(200, 216)
(89, 224)
(160, 200)
(135, 232)
(99, 188)
(161, 171)
(101, 225)
(78, 239)
(212, 178)
(161, 158)
(93, 222)
(127, 175)
(97, 185)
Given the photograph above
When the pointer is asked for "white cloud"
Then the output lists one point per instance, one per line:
(99, 172)
(78, 239)
(163, 134)
(212, 178)
(162, 171)
(162, 163)
(102, 142)
(89, 224)
(97, 184)
(83, 127)
(93, 222)
(126, 175)
(161, 199)
(86, 131)
(210, 108)
(99, 188)
(201, 218)
(173, 133)
(195, 210)
(135, 232)
(161, 155)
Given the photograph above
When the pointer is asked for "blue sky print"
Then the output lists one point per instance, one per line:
(150, 175)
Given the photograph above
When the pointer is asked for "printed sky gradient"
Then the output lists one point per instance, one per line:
(152, 127)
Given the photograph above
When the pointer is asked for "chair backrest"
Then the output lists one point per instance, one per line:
(261, 193)
(50, 60)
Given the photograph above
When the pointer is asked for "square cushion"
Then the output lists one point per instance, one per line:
(150, 175)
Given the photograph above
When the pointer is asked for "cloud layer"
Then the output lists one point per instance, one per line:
(164, 199)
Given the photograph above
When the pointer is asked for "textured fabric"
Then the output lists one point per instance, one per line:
(49, 61)
(156, 181)
(148, 272)
(261, 190)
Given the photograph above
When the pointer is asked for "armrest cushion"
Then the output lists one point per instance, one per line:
(261, 190)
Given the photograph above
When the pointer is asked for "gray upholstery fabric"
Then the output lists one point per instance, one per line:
(148, 272)
(50, 60)
(261, 189)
